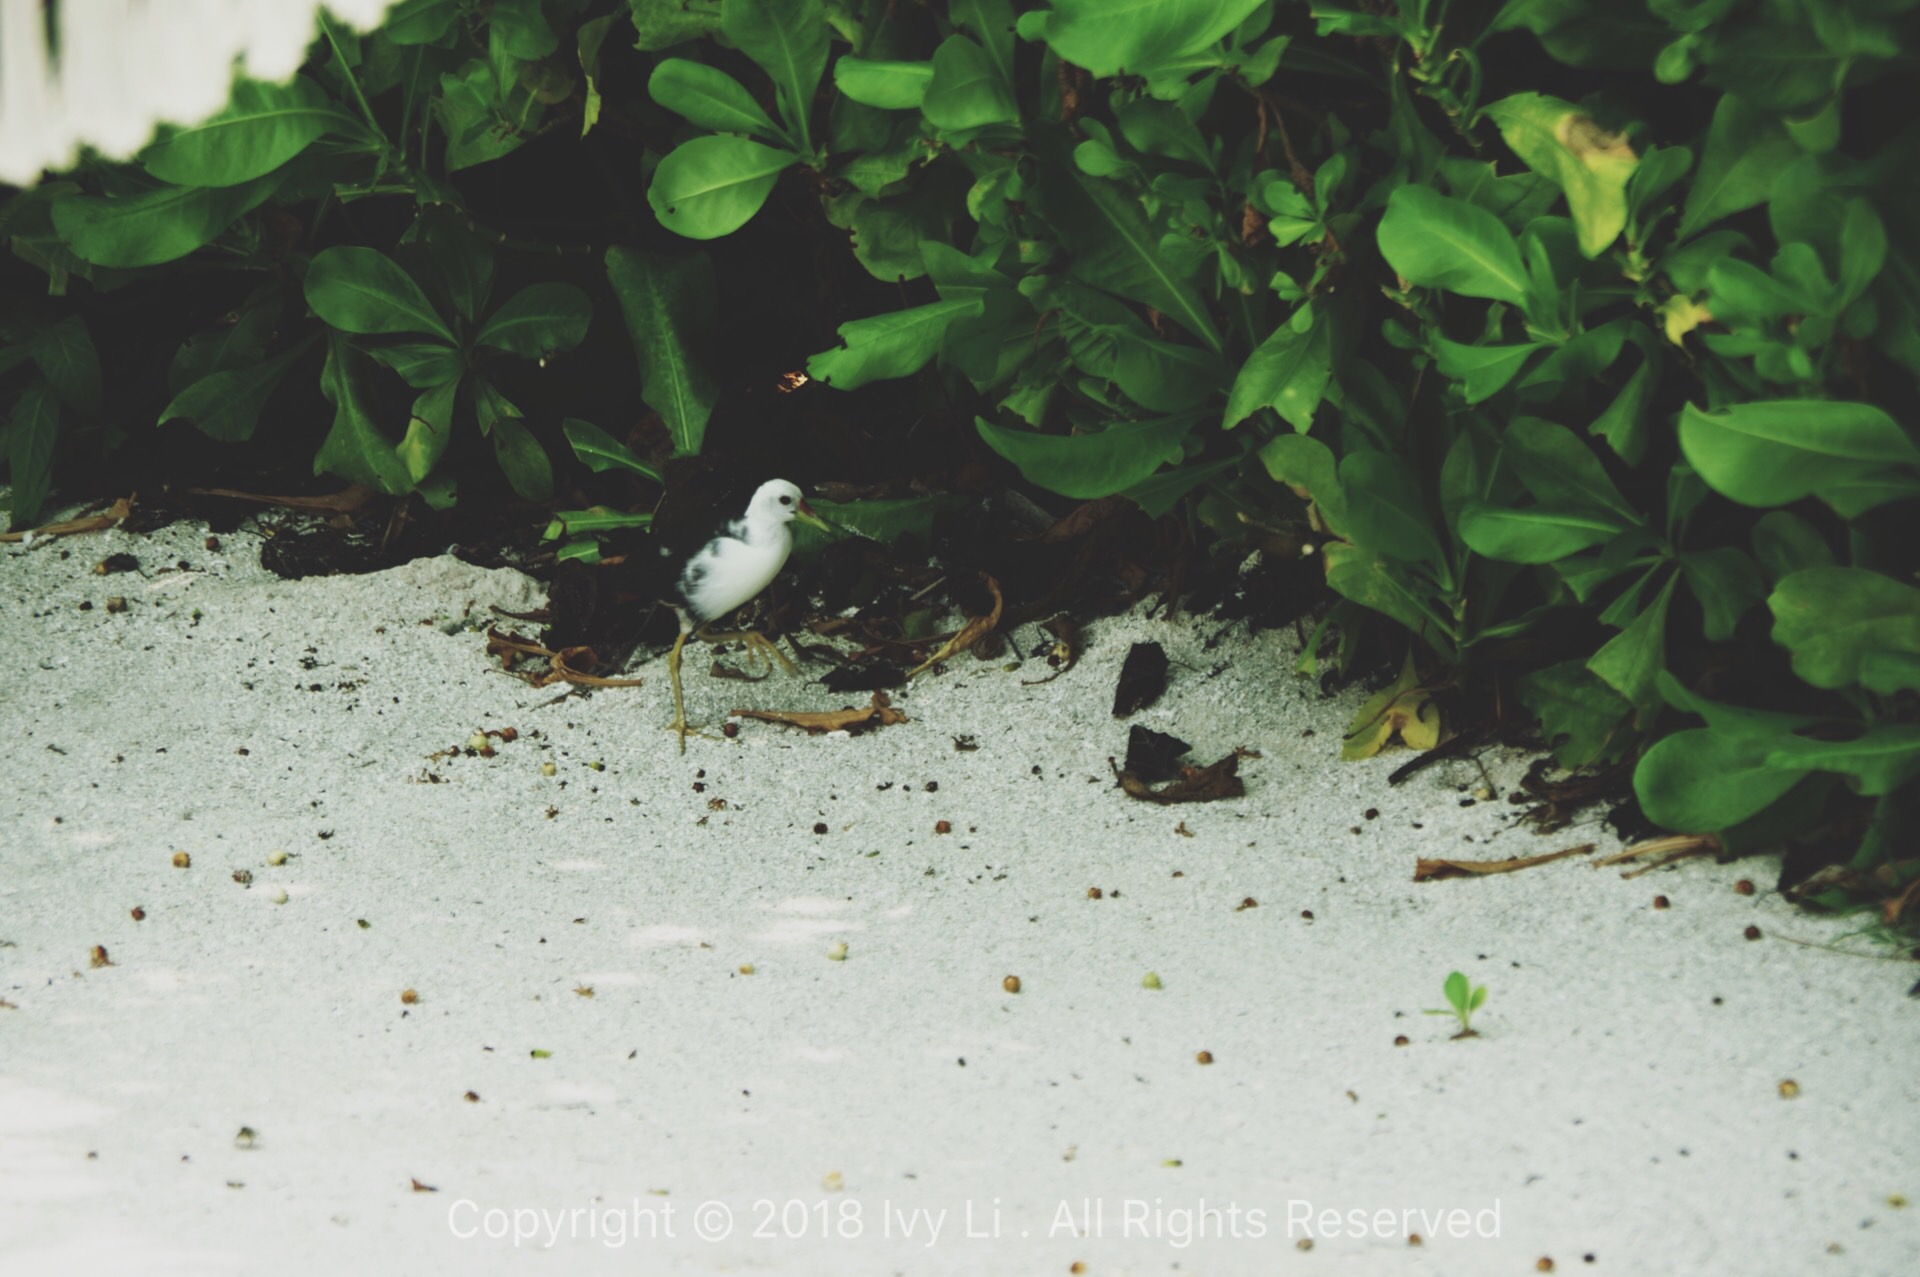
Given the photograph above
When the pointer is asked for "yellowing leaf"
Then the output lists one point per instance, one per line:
(1405, 709)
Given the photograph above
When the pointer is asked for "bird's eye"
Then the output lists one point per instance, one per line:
(786, 500)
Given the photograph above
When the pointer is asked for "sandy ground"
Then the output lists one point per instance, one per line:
(631, 1050)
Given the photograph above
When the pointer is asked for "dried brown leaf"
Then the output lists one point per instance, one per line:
(1195, 785)
(878, 713)
(976, 628)
(1429, 870)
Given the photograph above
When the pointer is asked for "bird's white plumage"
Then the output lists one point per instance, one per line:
(742, 560)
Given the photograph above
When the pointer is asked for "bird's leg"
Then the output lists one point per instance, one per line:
(757, 644)
(679, 723)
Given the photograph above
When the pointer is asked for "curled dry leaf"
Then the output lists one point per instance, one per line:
(976, 628)
(1195, 785)
(564, 666)
(879, 712)
(118, 511)
(1428, 870)
(1065, 650)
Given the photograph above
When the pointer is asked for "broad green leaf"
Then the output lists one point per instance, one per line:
(160, 225)
(1728, 584)
(521, 458)
(1746, 150)
(1737, 720)
(1161, 493)
(1559, 141)
(592, 35)
(34, 424)
(1632, 659)
(1775, 452)
(1539, 534)
(522, 29)
(968, 91)
(1112, 246)
(539, 320)
(1484, 371)
(1581, 717)
(602, 452)
(1623, 424)
(1560, 469)
(1307, 466)
(422, 364)
(1377, 583)
(355, 449)
(661, 24)
(262, 127)
(1702, 781)
(1288, 372)
(1831, 619)
(359, 290)
(788, 38)
(884, 520)
(710, 186)
(411, 22)
(669, 306)
(67, 359)
(1386, 512)
(991, 23)
(1574, 366)
(1881, 758)
(1109, 37)
(1433, 241)
(484, 118)
(896, 344)
(1088, 466)
(711, 98)
(895, 86)
(429, 430)
(226, 405)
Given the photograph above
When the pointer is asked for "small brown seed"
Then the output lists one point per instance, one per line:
(1661, 902)
(1011, 984)
(1094, 893)
(730, 730)
(1401, 1040)
(933, 787)
(1789, 1089)
(943, 827)
(1305, 1243)
(212, 543)
(1205, 1057)
(1752, 933)
(408, 997)
(139, 914)
(471, 1097)
(1543, 1265)
(181, 860)
(98, 956)
(1307, 914)
(1744, 886)
(1414, 1239)
(819, 826)
(116, 604)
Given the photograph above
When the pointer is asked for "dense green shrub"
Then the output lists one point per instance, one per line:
(1582, 334)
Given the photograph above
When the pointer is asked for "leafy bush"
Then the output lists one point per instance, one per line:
(1605, 392)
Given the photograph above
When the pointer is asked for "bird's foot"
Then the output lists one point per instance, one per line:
(758, 646)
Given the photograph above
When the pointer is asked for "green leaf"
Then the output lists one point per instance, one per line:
(1633, 658)
(1483, 370)
(483, 117)
(521, 458)
(65, 355)
(1785, 543)
(661, 24)
(1702, 781)
(359, 290)
(160, 225)
(602, 452)
(1111, 243)
(1379, 584)
(429, 430)
(1832, 619)
(1385, 510)
(1746, 150)
(1881, 758)
(896, 344)
(895, 86)
(1592, 165)
(227, 405)
(1623, 424)
(539, 320)
(522, 29)
(422, 364)
(1580, 716)
(1560, 469)
(1539, 534)
(788, 38)
(967, 92)
(1773, 453)
(711, 98)
(885, 520)
(1109, 37)
(1458, 991)
(355, 449)
(411, 22)
(1728, 584)
(1161, 493)
(1433, 241)
(1089, 466)
(592, 35)
(30, 434)
(710, 186)
(262, 127)
(1288, 372)
(1308, 467)
(669, 307)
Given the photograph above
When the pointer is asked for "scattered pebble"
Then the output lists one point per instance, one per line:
(1744, 886)
(139, 914)
(1011, 984)
(1401, 1040)
(819, 826)
(746, 968)
(117, 604)
(1789, 1089)
(181, 860)
(276, 858)
(1752, 933)
(280, 896)
(1661, 902)
(837, 951)
(408, 997)
(1205, 1057)
(943, 827)
(1543, 1265)
(1094, 893)
(244, 877)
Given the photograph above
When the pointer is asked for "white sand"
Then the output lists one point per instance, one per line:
(1622, 1100)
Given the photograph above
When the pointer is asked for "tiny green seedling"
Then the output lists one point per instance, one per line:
(1464, 999)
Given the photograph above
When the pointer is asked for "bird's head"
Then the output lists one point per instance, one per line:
(778, 501)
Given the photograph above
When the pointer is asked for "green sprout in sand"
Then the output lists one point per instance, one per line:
(1463, 1000)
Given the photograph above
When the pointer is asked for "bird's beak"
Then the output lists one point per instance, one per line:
(805, 514)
